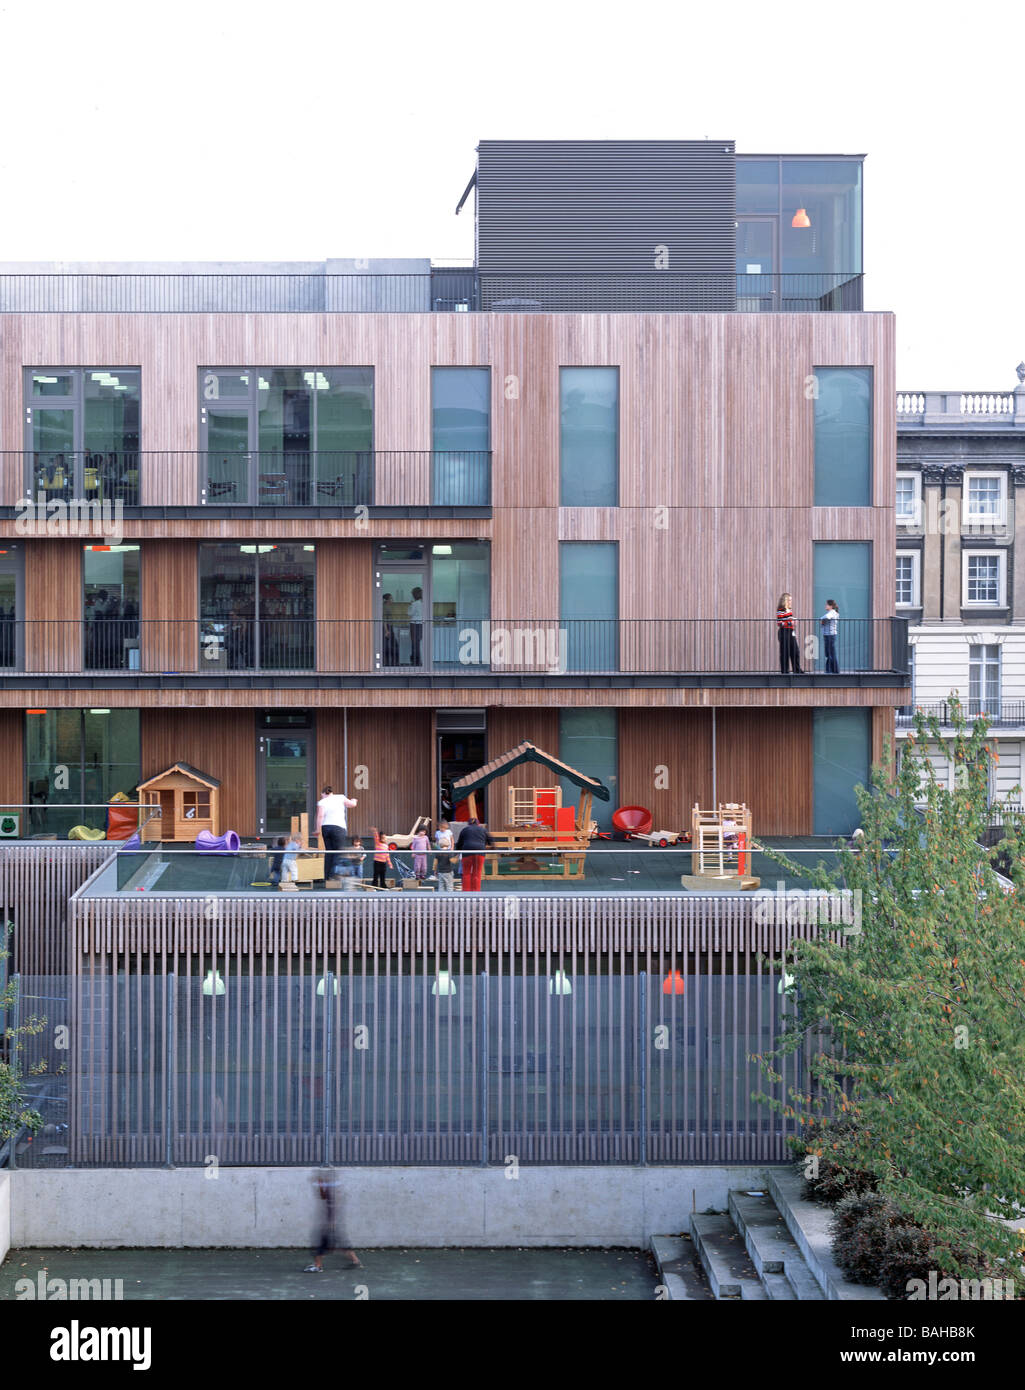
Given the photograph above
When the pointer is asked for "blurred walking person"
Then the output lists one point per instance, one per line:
(329, 1234)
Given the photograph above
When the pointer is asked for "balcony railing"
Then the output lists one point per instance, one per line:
(213, 647)
(265, 478)
(1000, 713)
(438, 290)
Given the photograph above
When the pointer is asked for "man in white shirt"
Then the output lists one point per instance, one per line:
(331, 827)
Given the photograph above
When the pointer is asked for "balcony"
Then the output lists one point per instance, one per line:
(1002, 714)
(433, 290)
(183, 652)
(264, 482)
(965, 410)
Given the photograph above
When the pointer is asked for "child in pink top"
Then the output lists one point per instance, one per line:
(420, 845)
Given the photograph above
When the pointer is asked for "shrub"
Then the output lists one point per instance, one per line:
(838, 1177)
(908, 1253)
(861, 1227)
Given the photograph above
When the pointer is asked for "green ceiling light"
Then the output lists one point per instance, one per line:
(786, 985)
(213, 984)
(322, 986)
(560, 983)
(443, 983)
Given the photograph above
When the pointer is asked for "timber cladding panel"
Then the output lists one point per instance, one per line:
(390, 765)
(219, 742)
(12, 757)
(665, 763)
(765, 759)
(53, 606)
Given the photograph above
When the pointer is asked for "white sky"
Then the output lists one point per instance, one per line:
(248, 130)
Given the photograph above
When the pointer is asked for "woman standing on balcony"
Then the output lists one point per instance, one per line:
(789, 656)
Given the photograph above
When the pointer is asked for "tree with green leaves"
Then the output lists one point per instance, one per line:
(921, 1006)
(16, 1113)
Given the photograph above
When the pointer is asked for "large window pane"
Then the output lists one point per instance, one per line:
(294, 436)
(461, 435)
(460, 599)
(589, 436)
(829, 193)
(257, 607)
(78, 756)
(589, 604)
(841, 751)
(588, 742)
(843, 571)
(88, 446)
(843, 437)
(758, 187)
(111, 607)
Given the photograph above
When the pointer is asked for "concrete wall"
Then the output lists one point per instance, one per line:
(268, 1207)
(5, 1215)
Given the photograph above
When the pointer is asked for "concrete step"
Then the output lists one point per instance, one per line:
(724, 1258)
(810, 1225)
(679, 1269)
(773, 1251)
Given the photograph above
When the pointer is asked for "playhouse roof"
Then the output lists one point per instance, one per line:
(527, 753)
(185, 768)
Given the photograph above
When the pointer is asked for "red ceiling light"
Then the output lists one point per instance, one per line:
(35, 711)
(673, 983)
(801, 219)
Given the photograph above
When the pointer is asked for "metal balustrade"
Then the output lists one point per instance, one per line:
(434, 290)
(89, 484)
(1007, 713)
(219, 646)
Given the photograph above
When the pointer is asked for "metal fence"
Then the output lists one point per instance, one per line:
(90, 483)
(454, 645)
(430, 1056)
(997, 712)
(437, 290)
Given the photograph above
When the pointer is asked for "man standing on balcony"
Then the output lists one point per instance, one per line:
(331, 827)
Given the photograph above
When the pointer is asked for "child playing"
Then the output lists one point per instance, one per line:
(382, 859)
(443, 861)
(420, 844)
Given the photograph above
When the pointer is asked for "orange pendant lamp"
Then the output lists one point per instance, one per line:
(800, 219)
(673, 983)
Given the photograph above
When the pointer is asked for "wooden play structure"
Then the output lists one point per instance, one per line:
(188, 802)
(309, 868)
(538, 822)
(723, 842)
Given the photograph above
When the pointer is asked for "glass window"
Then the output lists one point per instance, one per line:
(296, 436)
(985, 497)
(820, 226)
(460, 599)
(87, 446)
(842, 570)
(461, 436)
(589, 604)
(907, 498)
(983, 679)
(907, 579)
(75, 756)
(758, 187)
(111, 607)
(841, 750)
(843, 437)
(257, 607)
(983, 578)
(588, 742)
(589, 436)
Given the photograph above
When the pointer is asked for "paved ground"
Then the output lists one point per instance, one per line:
(464, 1275)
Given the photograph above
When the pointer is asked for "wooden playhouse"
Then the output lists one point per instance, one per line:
(537, 823)
(188, 802)
(723, 842)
